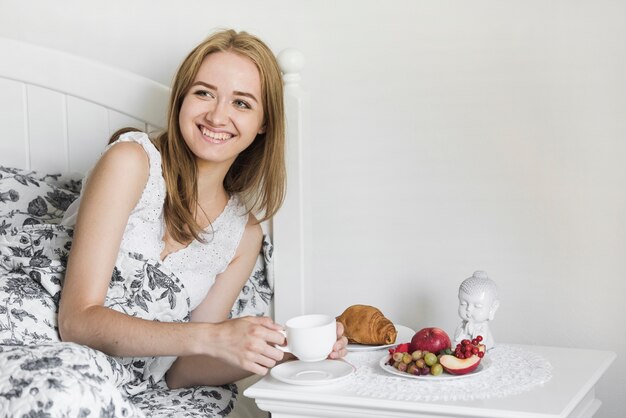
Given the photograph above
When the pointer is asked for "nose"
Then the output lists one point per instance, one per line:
(217, 114)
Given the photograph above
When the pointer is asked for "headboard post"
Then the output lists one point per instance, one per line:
(291, 228)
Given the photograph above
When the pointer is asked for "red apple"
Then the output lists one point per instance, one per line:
(430, 339)
(454, 365)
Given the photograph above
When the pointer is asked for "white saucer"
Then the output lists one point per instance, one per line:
(404, 336)
(312, 373)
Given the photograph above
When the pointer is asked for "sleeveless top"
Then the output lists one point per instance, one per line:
(199, 263)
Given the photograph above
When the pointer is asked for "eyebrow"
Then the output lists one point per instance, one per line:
(236, 92)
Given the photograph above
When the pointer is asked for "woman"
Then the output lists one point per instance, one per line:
(188, 199)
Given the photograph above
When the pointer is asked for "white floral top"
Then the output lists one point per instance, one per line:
(197, 264)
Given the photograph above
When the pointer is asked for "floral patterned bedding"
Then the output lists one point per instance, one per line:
(42, 376)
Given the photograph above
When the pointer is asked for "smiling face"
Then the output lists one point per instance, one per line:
(222, 112)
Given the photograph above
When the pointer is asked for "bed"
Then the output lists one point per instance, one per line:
(56, 114)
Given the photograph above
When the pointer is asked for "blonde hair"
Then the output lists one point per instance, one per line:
(258, 173)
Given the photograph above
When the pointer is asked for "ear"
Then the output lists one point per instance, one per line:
(262, 130)
(494, 308)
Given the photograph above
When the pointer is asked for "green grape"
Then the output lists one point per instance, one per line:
(430, 359)
(436, 369)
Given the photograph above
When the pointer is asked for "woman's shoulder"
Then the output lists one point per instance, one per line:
(123, 167)
(139, 147)
(121, 149)
(136, 140)
(127, 157)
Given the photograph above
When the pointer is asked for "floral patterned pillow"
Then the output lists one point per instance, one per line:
(28, 197)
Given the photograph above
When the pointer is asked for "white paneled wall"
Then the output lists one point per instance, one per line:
(87, 134)
(47, 129)
(14, 148)
(53, 132)
(65, 125)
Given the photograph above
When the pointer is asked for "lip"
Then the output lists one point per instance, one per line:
(228, 136)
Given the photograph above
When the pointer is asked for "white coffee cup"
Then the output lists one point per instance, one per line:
(310, 337)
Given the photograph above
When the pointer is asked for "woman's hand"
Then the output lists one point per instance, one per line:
(339, 349)
(248, 343)
(228, 351)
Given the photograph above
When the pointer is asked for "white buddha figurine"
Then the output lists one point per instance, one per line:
(478, 302)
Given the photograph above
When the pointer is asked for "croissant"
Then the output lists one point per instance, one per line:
(364, 324)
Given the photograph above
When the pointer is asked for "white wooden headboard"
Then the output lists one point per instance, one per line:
(58, 110)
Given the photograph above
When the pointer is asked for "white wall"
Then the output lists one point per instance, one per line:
(447, 136)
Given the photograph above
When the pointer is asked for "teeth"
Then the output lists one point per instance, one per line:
(220, 136)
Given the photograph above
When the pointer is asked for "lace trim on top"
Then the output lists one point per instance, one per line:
(198, 263)
(145, 228)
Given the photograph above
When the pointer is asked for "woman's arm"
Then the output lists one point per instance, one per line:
(112, 191)
(205, 370)
(215, 308)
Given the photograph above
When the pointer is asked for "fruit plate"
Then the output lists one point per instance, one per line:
(404, 335)
(484, 365)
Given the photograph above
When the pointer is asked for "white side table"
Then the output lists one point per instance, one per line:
(570, 392)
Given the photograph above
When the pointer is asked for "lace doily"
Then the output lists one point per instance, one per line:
(512, 370)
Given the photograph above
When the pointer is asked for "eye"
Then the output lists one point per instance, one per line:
(204, 93)
(241, 104)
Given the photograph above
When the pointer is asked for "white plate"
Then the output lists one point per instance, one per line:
(404, 336)
(484, 365)
(312, 373)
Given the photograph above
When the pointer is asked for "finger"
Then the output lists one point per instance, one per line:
(273, 337)
(268, 335)
(339, 329)
(336, 354)
(266, 341)
(255, 368)
(273, 353)
(263, 320)
(343, 352)
(268, 323)
(265, 362)
(277, 327)
(344, 342)
(260, 361)
(269, 359)
(340, 348)
(340, 344)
